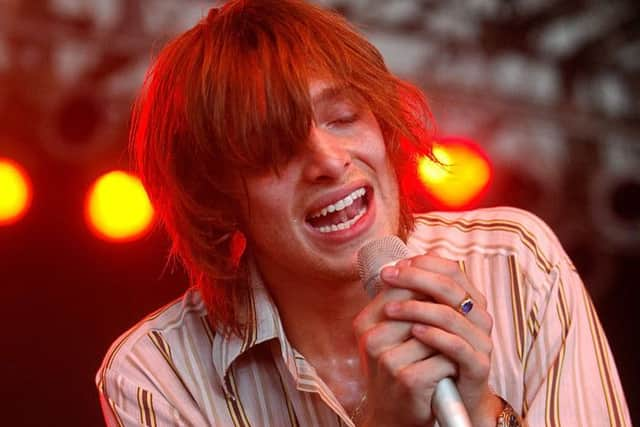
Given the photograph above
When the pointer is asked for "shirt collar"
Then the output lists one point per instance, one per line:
(263, 323)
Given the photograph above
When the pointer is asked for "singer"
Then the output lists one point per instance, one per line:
(270, 137)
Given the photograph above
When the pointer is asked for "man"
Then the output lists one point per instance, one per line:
(271, 137)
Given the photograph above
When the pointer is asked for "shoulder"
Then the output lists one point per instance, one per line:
(504, 230)
(150, 338)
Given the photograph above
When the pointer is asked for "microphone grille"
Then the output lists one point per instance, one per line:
(376, 254)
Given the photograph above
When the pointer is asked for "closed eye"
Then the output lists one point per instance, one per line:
(345, 120)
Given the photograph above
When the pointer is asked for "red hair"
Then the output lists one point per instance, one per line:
(230, 97)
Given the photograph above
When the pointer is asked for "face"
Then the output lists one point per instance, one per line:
(341, 191)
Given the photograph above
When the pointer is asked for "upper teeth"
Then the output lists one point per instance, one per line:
(340, 204)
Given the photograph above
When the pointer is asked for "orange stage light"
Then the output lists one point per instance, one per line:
(462, 176)
(118, 208)
(15, 192)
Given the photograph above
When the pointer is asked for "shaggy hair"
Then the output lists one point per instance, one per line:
(229, 98)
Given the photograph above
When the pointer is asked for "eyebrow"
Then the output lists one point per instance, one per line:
(331, 93)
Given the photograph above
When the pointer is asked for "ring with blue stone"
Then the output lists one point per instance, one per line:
(465, 305)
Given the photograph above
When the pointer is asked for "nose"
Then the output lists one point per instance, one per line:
(328, 157)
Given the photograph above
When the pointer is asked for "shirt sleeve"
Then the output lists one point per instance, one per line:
(129, 405)
(570, 377)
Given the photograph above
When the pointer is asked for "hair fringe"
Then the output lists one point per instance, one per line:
(230, 97)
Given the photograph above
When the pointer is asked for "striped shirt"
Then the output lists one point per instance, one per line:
(551, 360)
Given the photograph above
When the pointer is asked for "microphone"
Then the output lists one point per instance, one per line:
(372, 257)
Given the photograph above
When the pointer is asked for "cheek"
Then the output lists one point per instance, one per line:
(391, 193)
(373, 145)
(262, 191)
(267, 206)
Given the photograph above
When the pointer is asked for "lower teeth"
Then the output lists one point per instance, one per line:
(343, 225)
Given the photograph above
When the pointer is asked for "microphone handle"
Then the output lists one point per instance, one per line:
(447, 405)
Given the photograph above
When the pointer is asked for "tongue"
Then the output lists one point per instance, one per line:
(338, 217)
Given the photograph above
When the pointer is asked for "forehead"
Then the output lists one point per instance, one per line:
(325, 91)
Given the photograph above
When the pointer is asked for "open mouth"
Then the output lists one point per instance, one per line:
(342, 214)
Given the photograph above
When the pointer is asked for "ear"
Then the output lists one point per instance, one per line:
(237, 246)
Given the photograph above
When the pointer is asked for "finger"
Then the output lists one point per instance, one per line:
(473, 365)
(373, 313)
(384, 336)
(443, 317)
(420, 379)
(399, 357)
(446, 267)
(440, 288)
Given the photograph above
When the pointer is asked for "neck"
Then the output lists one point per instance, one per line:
(317, 317)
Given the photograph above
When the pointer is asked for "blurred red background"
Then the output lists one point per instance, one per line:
(548, 90)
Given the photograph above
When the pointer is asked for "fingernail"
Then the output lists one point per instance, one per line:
(419, 329)
(392, 307)
(389, 273)
(403, 263)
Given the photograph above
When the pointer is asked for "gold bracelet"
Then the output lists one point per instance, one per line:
(357, 412)
(509, 417)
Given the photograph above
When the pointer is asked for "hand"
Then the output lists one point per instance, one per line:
(439, 286)
(402, 371)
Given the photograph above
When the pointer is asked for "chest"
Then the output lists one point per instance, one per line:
(266, 393)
